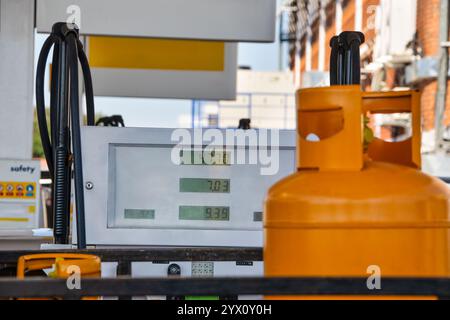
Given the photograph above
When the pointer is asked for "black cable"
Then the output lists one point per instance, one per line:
(352, 40)
(334, 61)
(40, 102)
(341, 65)
(54, 91)
(345, 64)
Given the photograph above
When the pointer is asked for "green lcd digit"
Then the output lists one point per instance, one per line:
(205, 158)
(200, 213)
(134, 214)
(205, 185)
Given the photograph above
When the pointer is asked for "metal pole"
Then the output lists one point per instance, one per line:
(280, 34)
(61, 190)
(441, 95)
(308, 54)
(339, 16)
(322, 35)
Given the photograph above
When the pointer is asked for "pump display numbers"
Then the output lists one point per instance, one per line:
(205, 185)
(204, 213)
(205, 158)
(136, 214)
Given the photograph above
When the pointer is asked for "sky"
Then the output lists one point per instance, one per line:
(166, 113)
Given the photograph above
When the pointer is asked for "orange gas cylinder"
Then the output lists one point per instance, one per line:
(346, 210)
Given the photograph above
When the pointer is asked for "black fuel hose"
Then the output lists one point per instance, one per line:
(54, 91)
(352, 41)
(336, 62)
(345, 64)
(40, 95)
(40, 103)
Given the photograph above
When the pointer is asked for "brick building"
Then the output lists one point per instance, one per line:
(428, 33)
(401, 49)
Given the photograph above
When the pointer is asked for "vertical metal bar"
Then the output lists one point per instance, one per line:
(61, 198)
(286, 97)
(193, 114)
(441, 95)
(359, 15)
(298, 47)
(76, 140)
(280, 34)
(308, 50)
(124, 269)
(322, 35)
(199, 115)
(250, 105)
(339, 16)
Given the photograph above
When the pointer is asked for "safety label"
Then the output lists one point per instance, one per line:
(18, 190)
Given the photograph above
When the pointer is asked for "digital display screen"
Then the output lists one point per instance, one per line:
(205, 158)
(135, 214)
(204, 213)
(205, 185)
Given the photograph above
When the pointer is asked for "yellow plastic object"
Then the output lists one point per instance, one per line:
(89, 265)
(342, 212)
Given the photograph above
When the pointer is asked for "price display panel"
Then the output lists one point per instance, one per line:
(145, 193)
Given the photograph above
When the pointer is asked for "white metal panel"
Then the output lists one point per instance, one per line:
(208, 85)
(155, 184)
(220, 269)
(229, 20)
(16, 78)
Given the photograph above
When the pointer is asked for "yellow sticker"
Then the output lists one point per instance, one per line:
(14, 220)
(18, 190)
